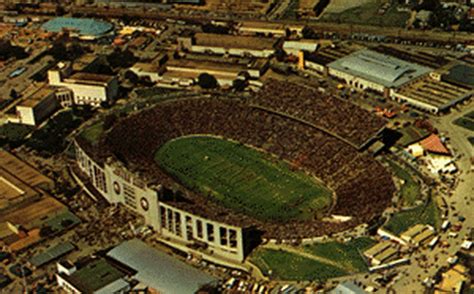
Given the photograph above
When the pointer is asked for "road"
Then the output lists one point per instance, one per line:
(412, 275)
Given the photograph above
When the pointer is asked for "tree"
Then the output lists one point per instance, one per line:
(131, 76)
(13, 94)
(109, 121)
(207, 81)
(239, 84)
(122, 59)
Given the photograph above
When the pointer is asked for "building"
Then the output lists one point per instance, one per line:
(347, 287)
(229, 45)
(460, 75)
(98, 276)
(158, 271)
(453, 280)
(19, 181)
(186, 71)
(51, 254)
(381, 253)
(176, 227)
(37, 107)
(366, 69)
(418, 235)
(25, 206)
(432, 95)
(293, 47)
(82, 88)
(269, 29)
(83, 28)
(325, 55)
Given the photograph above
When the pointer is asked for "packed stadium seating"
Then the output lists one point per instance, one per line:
(363, 187)
(338, 117)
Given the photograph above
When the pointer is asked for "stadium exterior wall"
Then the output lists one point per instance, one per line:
(179, 227)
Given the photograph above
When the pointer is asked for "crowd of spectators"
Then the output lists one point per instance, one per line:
(338, 117)
(361, 184)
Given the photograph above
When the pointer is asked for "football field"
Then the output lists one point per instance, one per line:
(243, 179)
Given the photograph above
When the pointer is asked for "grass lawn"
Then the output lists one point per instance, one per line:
(366, 14)
(470, 115)
(465, 122)
(15, 132)
(289, 266)
(410, 189)
(423, 214)
(348, 255)
(243, 179)
(471, 140)
(92, 133)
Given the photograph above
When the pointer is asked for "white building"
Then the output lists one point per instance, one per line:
(96, 277)
(37, 107)
(366, 69)
(230, 45)
(86, 88)
(293, 47)
(176, 226)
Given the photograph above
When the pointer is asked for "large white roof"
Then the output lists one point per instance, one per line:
(379, 68)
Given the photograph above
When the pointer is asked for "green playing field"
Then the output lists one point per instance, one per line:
(243, 179)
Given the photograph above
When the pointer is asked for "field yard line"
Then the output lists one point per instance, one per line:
(306, 255)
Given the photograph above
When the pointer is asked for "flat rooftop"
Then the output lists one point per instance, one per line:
(13, 191)
(206, 64)
(22, 170)
(419, 57)
(94, 276)
(35, 98)
(381, 69)
(461, 75)
(326, 55)
(432, 92)
(267, 25)
(158, 270)
(89, 78)
(82, 62)
(232, 41)
(51, 254)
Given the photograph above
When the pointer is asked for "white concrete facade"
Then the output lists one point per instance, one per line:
(117, 185)
(33, 115)
(85, 92)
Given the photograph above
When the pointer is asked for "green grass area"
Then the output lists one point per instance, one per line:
(471, 140)
(424, 214)
(290, 266)
(366, 14)
(465, 122)
(470, 115)
(411, 134)
(243, 179)
(92, 133)
(410, 191)
(348, 255)
(291, 10)
(14, 134)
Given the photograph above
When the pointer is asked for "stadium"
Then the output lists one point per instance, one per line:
(216, 175)
(84, 28)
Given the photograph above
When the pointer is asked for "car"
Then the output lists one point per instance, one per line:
(17, 72)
